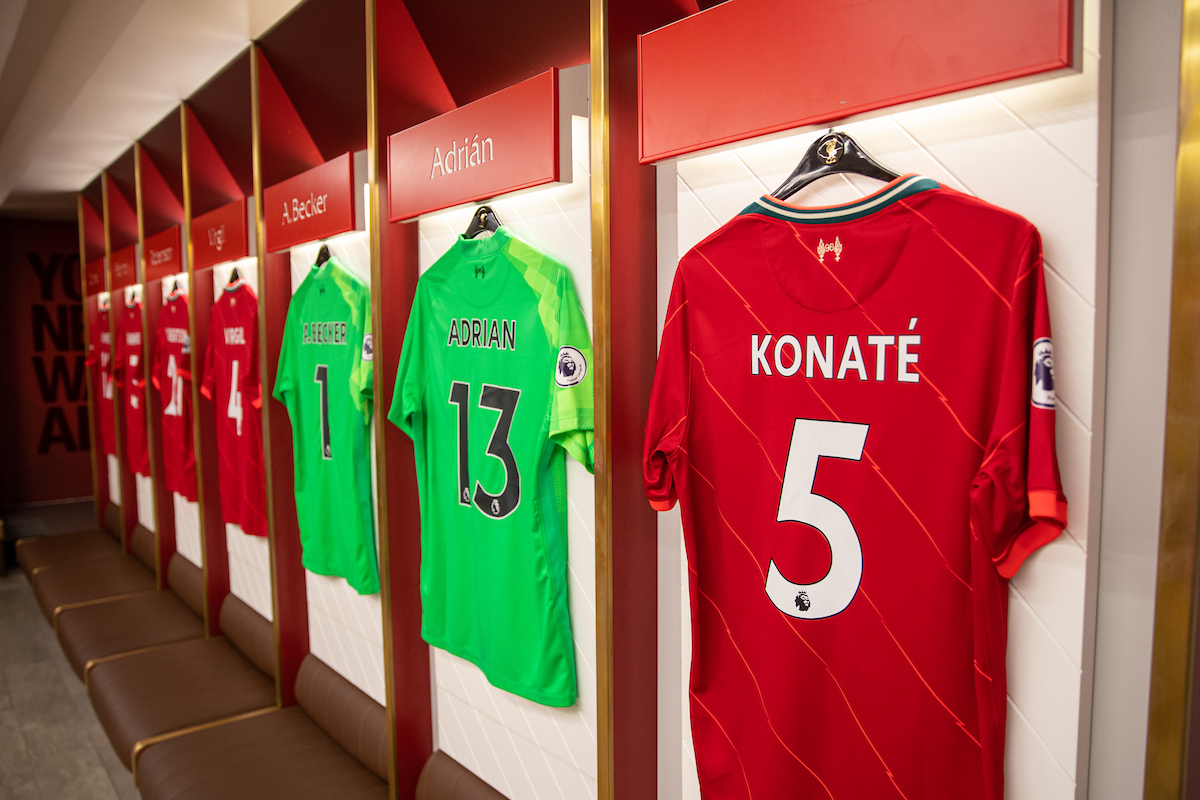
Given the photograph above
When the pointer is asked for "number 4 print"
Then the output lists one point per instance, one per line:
(811, 440)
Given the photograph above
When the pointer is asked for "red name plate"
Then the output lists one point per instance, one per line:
(122, 267)
(220, 235)
(313, 205)
(750, 67)
(163, 254)
(94, 276)
(501, 143)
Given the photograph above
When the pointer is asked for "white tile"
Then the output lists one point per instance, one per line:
(514, 783)
(545, 732)
(571, 781)
(145, 501)
(114, 479)
(1043, 683)
(1030, 769)
(1074, 459)
(187, 529)
(541, 780)
(1051, 582)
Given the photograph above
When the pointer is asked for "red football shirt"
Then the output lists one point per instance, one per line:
(854, 406)
(231, 383)
(172, 377)
(100, 360)
(129, 368)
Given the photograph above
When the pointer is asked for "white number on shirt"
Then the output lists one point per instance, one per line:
(811, 440)
(175, 407)
(234, 411)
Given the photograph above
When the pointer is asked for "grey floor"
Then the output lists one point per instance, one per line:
(51, 745)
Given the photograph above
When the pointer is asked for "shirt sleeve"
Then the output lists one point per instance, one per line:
(411, 374)
(572, 401)
(362, 373)
(285, 383)
(1017, 503)
(666, 422)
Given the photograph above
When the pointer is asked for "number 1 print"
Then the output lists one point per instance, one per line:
(322, 378)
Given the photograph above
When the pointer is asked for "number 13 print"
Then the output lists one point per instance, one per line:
(811, 440)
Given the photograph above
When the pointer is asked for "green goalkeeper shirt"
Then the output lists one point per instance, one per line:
(324, 380)
(494, 387)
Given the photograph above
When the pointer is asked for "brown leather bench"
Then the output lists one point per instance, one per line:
(37, 552)
(142, 695)
(69, 584)
(443, 778)
(94, 633)
(333, 744)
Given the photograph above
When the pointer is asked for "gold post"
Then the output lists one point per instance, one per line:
(375, 221)
(146, 362)
(1175, 603)
(260, 253)
(87, 373)
(601, 354)
(194, 359)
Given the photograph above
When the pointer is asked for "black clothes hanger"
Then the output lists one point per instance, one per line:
(833, 153)
(485, 219)
(322, 254)
(234, 277)
(175, 286)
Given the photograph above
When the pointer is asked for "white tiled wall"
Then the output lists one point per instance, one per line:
(145, 501)
(187, 529)
(249, 556)
(525, 750)
(114, 479)
(1031, 149)
(345, 629)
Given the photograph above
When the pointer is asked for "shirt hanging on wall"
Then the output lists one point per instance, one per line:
(854, 406)
(130, 368)
(494, 387)
(231, 383)
(172, 377)
(324, 380)
(99, 358)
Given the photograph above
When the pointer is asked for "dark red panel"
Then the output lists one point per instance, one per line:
(313, 205)
(632, 344)
(482, 46)
(164, 507)
(122, 269)
(220, 235)
(122, 218)
(223, 108)
(452, 159)
(93, 233)
(161, 207)
(411, 89)
(162, 255)
(287, 147)
(164, 145)
(290, 589)
(212, 184)
(784, 64)
(319, 53)
(95, 276)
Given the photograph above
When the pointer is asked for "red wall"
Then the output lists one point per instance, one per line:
(43, 395)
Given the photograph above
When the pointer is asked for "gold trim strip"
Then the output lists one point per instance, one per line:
(375, 221)
(58, 610)
(163, 737)
(602, 359)
(1171, 684)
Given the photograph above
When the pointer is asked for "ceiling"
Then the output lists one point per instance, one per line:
(81, 80)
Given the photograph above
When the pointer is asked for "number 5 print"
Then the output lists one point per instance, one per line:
(811, 440)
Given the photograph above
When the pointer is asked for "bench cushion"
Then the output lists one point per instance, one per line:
(78, 581)
(345, 712)
(35, 552)
(443, 778)
(121, 626)
(173, 687)
(281, 755)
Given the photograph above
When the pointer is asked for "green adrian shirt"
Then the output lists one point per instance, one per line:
(495, 387)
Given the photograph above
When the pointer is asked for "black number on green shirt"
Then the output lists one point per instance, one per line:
(504, 400)
(460, 395)
(322, 377)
